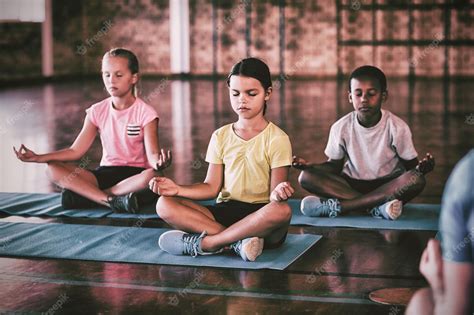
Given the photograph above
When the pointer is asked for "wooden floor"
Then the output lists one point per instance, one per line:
(334, 277)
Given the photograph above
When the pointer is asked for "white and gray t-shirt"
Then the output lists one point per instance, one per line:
(371, 153)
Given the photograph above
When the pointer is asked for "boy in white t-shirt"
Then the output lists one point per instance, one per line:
(372, 162)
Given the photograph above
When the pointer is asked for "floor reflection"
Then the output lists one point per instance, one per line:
(439, 113)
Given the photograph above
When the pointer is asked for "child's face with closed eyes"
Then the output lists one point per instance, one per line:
(247, 96)
(117, 77)
(366, 97)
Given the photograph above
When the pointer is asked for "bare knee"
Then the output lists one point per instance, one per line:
(280, 219)
(306, 179)
(52, 168)
(414, 185)
(280, 213)
(421, 302)
(148, 174)
(164, 208)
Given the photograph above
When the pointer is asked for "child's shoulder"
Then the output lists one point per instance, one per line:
(393, 119)
(142, 103)
(274, 130)
(101, 105)
(345, 120)
(221, 131)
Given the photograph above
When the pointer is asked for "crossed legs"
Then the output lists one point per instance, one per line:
(83, 182)
(328, 185)
(269, 222)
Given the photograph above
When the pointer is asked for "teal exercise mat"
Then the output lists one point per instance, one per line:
(28, 204)
(131, 245)
(414, 217)
(148, 212)
(44, 205)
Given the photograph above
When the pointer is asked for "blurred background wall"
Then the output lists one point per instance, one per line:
(297, 38)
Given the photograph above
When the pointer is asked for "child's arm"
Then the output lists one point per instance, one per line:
(209, 189)
(410, 164)
(332, 166)
(80, 146)
(280, 188)
(156, 157)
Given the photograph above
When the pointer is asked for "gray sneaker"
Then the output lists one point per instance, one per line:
(178, 242)
(313, 206)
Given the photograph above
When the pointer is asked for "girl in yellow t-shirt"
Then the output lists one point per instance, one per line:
(248, 172)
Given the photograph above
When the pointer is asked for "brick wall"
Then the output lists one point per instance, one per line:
(306, 38)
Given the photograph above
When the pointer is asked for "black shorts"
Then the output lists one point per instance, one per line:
(229, 212)
(366, 186)
(108, 176)
(232, 211)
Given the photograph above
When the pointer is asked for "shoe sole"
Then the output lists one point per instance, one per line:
(253, 248)
(396, 206)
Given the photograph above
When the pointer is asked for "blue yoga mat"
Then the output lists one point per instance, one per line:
(50, 205)
(131, 245)
(414, 217)
(44, 205)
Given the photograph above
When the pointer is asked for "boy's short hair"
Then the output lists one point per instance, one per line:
(370, 72)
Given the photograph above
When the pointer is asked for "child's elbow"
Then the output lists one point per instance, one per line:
(213, 190)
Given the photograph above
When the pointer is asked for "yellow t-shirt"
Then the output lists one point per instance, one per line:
(248, 164)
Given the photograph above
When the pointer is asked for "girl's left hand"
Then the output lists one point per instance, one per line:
(164, 160)
(282, 192)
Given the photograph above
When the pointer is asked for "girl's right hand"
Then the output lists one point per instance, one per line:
(300, 163)
(163, 186)
(164, 160)
(26, 155)
(282, 192)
